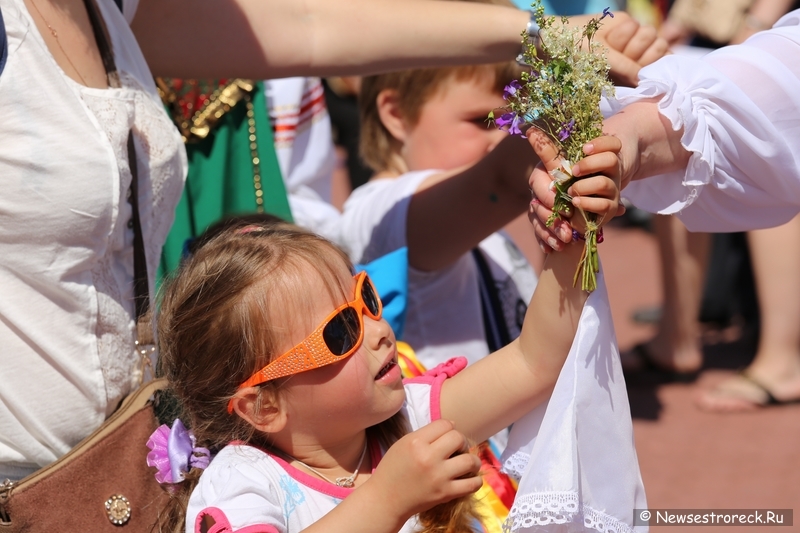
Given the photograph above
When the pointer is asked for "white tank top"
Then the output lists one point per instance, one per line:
(66, 256)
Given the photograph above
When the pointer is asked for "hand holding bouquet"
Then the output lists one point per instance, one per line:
(560, 94)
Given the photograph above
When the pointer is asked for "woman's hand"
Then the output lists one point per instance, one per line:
(598, 193)
(631, 46)
(425, 468)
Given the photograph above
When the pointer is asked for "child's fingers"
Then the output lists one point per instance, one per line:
(463, 487)
(435, 430)
(603, 207)
(595, 186)
(560, 232)
(599, 163)
(539, 183)
(450, 443)
(606, 143)
(544, 148)
(462, 466)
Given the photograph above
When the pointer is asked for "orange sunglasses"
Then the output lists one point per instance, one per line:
(337, 337)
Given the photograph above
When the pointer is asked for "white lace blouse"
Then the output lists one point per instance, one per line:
(66, 253)
(740, 110)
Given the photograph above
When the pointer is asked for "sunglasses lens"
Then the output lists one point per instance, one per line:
(370, 297)
(341, 333)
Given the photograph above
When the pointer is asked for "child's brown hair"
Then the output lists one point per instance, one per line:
(215, 331)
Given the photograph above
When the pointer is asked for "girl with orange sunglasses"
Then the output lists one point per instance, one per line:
(284, 366)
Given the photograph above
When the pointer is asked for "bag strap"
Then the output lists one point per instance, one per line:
(3, 43)
(141, 289)
(494, 323)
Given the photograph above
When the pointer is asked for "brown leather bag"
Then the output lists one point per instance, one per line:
(101, 485)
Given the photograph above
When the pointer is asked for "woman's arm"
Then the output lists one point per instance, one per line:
(263, 39)
(650, 145)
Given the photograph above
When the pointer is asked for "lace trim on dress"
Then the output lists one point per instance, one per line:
(515, 465)
(160, 180)
(562, 509)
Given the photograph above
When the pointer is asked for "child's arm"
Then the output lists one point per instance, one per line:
(452, 212)
(498, 390)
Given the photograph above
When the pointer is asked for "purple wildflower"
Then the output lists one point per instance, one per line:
(504, 120)
(566, 130)
(607, 13)
(511, 89)
(511, 121)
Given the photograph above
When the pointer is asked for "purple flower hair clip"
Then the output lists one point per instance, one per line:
(174, 452)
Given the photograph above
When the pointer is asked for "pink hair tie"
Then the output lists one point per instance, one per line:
(248, 229)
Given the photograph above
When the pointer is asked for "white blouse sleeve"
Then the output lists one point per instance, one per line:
(739, 108)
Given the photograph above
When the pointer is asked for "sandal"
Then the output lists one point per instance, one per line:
(750, 402)
(645, 362)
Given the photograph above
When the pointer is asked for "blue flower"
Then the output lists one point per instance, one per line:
(511, 89)
(532, 116)
(607, 13)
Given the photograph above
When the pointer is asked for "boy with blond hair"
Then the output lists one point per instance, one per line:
(446, 183)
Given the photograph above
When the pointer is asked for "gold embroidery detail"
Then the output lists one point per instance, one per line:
(218, 104)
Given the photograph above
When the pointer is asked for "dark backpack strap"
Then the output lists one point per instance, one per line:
(3, 43)
(494, 322)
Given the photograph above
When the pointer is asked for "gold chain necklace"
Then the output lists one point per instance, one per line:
(58, 42)
(347, 482)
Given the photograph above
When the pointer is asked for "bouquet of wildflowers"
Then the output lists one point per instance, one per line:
(559, 94)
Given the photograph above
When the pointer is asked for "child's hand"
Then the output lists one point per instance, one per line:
(427, 467)
(597, 194)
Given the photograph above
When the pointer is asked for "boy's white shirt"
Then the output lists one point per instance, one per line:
(443, 316)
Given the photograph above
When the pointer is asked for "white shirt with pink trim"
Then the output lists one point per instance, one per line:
(249, 490)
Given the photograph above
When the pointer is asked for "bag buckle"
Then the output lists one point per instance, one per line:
(5, 495)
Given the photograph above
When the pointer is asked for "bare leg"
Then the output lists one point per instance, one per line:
(684, 256)
(775, 255)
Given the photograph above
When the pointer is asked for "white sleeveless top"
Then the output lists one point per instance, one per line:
(66, 255)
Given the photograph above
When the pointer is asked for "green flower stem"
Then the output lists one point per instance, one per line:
(589, 265)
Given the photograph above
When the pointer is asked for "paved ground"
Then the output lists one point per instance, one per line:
(691, 459)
